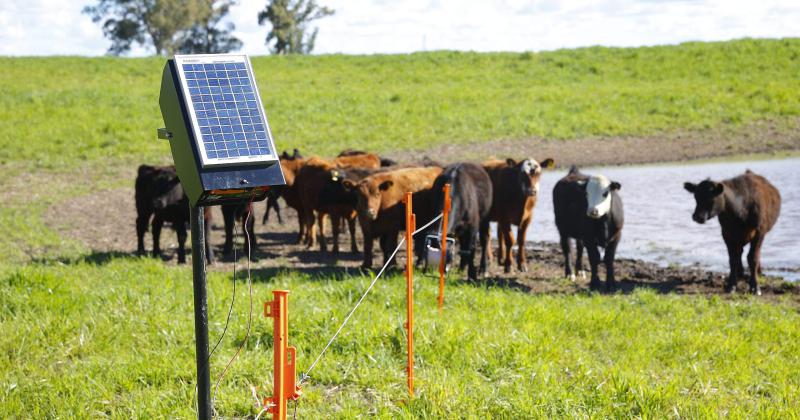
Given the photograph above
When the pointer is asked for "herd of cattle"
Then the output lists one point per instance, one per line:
(359, 187)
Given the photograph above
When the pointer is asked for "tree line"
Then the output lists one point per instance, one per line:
(197, 27)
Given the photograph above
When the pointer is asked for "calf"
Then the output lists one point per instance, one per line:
(159, 195)
(747, 207)
(515, 189)
(589, 209)
(380, 205)
(471, 200)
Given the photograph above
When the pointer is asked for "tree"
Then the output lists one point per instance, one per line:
(206, 36)
(290, 21)
(166, 25)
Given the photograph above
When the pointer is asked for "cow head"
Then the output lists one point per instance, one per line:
(709, 199)
(598, 195)
(167, 190)
(368, 194)
(527, 174)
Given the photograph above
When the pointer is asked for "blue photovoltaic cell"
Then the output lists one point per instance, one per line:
(227, 111)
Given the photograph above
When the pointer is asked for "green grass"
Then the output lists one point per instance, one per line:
(117, 340)
(62, 112)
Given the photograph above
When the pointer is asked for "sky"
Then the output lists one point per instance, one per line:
(57, 27)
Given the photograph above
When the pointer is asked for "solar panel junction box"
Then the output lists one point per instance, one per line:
(217, 129)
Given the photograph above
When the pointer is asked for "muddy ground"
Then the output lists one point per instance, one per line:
(109, 230)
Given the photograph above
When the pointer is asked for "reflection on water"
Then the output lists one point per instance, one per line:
(658, 214)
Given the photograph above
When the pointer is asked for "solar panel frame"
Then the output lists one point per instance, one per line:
(209, 132)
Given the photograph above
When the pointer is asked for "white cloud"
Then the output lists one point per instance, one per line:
(46, 27)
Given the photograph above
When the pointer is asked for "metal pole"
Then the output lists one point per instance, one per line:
(200, 313)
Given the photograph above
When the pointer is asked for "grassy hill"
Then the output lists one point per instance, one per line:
(61, 111)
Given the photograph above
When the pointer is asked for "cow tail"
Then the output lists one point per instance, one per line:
(452, 179)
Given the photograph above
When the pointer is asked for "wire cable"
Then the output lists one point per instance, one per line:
(250, 291)
(363, 296)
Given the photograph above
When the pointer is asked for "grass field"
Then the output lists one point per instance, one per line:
(94, 335)
(117, 340)
(66, 111)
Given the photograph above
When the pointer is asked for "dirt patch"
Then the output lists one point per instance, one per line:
(764, 137)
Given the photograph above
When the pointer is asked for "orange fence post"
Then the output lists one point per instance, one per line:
(443, 246)
(284, 363)
(410, 227)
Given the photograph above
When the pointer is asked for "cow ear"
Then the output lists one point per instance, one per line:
(296, 154)
(385, 185)
(548, 163)
(348, 184)
(718, 188)
(511, 162)
(614, 186)
(688, 186)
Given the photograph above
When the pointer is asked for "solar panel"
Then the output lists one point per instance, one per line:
(228, 118)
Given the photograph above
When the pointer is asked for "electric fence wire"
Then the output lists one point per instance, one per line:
(306, 375)
(250, 292)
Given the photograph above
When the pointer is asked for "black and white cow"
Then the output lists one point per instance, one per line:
(589, 209)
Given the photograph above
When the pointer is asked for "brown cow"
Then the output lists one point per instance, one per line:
(747, 207)
(380, 205)
(291, 164)
(319, 183)
(515, 188)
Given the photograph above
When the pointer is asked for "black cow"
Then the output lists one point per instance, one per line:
(589, 209)
(468, 220)
(747, 207)
(242, 212)
(159, 195)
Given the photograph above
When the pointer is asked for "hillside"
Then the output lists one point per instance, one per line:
(61, 111)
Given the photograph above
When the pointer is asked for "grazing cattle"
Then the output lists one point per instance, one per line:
(380, 205)
(291, 164)
(471, 200)
(244, 213)
(589, 209)
(319, 183)
(515, 189)
(747, 207)
(159, 195)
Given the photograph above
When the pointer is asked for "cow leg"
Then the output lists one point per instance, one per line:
(735, 262)
(522, 234)
(500, 244)
(336, 226)
(485, 245)
(368, 243)
(228, 220)
(565, 251)
(608, 259)
(180, 229)
(754, 262)
(388, 244)
(323, 246)
(141, 227)
(579, 271)
(471, 236)
(505, 247)
(594, 261)
(158, 222)
(300, 228)
(351, 225)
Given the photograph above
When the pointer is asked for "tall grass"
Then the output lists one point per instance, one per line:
(116, 340)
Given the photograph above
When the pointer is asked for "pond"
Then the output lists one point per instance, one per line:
(658, 214)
